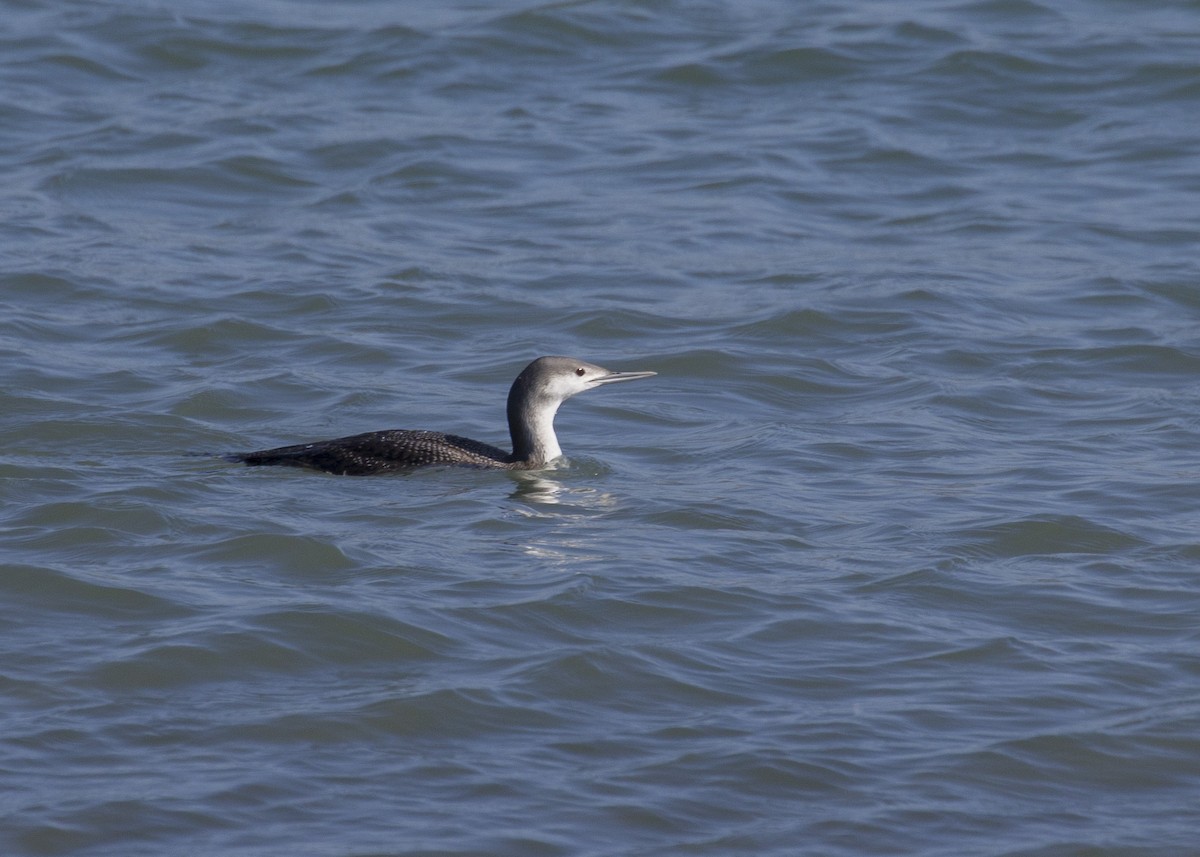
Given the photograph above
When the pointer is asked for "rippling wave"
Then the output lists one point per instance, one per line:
(893, 556)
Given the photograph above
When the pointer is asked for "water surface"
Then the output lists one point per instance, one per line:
(896, 555)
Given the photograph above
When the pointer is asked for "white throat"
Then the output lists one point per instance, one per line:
(541, 427)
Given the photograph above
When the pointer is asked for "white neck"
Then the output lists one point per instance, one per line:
(545, 441)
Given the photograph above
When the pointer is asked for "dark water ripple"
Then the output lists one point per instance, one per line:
(895, 556)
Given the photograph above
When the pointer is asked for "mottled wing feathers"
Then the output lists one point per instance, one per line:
(382, 452)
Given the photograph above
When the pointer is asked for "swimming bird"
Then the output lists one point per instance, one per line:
(533, 401)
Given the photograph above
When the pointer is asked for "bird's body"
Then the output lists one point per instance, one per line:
(383, 452)
(533, 401)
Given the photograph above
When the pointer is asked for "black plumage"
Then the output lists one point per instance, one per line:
(383, 452)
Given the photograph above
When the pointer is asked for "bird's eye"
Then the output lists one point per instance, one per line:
(580, 371)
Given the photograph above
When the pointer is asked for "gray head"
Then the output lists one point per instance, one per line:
(541, 387)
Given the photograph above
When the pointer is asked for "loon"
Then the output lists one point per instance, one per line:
(533, 400)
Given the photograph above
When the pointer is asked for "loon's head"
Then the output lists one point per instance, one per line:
(541, 387)
(560, 378)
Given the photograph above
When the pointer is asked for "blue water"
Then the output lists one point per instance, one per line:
(897, 555)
